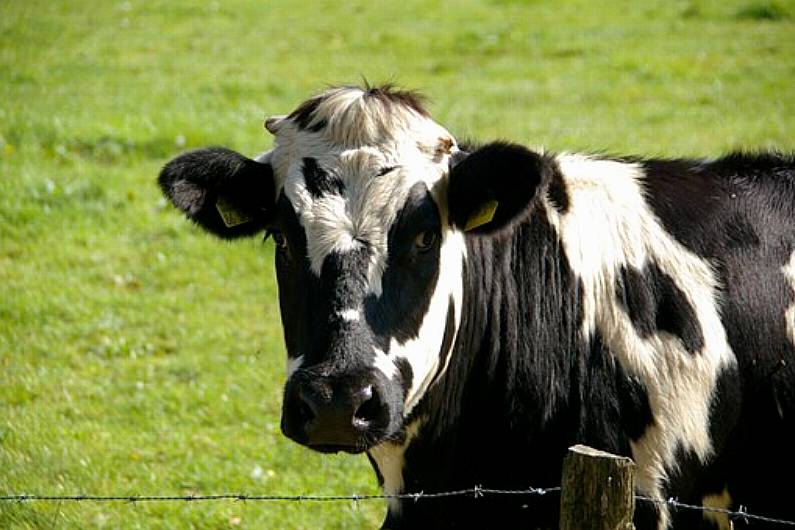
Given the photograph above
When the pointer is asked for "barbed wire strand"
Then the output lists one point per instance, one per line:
(740, 514)
(475, 492)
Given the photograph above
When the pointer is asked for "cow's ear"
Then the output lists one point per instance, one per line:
(492, 186)
(223, 191)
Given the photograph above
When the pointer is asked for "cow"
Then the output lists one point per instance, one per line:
(463, 313)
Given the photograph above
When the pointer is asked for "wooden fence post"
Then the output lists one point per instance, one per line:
(597, 491)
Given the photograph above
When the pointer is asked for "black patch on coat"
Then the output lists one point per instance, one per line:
(703, 202)
(633, 401)
(406, 374)
(556, 190)
(408, 281)
(304, 115)
(613, 405)
(654, 303)
(318, 181)
(343, 279)
(298, 287)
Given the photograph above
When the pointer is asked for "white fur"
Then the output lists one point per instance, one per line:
(609, 225)
(293, 364)
(385, 363)
(363, 216)
(789, 315)
(389, 457)
(350, 315)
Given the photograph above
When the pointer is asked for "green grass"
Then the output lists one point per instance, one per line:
(140, 356)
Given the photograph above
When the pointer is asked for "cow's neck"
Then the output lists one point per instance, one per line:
(507, 380)
(519, 332)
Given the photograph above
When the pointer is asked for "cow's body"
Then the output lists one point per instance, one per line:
(477, 315)
(537, 367)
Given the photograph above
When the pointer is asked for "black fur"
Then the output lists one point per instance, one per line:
(196, 180)
(406, 283)
(506, 173)
(654, 303)
(304, 115)
(318, 181)
(558, 195)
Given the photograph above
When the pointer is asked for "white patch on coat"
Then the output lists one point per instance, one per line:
(789, 314)
(424, 353)
(385, 363)
(389, 457)
(609, 226)
(293, 364)
(722, 501)
(350, 315)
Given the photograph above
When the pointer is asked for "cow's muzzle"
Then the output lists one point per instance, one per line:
(336, 413)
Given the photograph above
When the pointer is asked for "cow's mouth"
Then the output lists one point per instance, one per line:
(337, 448)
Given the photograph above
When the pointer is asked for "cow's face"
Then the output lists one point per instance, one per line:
(362, 235)
(369, 230)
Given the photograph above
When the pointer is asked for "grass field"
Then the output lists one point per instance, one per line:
(140, 356)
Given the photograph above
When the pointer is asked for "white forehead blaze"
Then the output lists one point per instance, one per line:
(361, 139)
(364, 213)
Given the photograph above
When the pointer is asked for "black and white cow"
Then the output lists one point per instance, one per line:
(463, 316)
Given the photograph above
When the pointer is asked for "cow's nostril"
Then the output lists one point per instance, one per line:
(306, 408)
(369, 409)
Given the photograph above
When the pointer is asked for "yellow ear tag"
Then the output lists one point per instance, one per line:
(482, 215)
(229, 214)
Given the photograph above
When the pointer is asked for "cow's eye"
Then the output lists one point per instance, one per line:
(425, 240)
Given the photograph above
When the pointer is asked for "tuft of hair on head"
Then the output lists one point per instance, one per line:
(359, 115)
(390, 94)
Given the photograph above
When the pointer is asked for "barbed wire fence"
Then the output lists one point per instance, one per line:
(475, 493)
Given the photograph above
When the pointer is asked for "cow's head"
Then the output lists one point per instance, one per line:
(368, 201)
